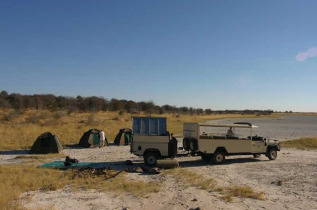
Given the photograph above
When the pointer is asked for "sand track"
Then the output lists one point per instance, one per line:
(297, 169)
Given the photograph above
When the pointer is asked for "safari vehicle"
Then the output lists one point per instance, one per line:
(201, 139)
(151, 139)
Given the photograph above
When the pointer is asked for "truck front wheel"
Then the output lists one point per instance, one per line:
(219, 157)
(150, 158)
(272, 153)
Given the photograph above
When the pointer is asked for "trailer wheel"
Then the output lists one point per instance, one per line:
(205, 157)
(272, 153)
(150, 158)
(219, 157)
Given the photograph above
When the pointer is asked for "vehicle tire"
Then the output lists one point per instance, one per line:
(256, 155)
(205, 157)
(272, 153)
(219, 157)
(186, 143)
(150, 158)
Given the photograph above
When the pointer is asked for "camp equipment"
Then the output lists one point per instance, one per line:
(123, 137)
(91, 138)
(61, 165)
(46, 143)
(167, 164)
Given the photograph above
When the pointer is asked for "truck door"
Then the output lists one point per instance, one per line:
(258, 146)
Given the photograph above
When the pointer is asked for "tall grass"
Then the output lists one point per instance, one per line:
(19, 130)
(302, 143)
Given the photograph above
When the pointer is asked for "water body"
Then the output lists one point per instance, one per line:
(286, 127)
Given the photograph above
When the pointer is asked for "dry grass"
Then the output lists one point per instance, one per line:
(241, 192)
(192, 179)
(19, 130)
(22, 130)
(17, 179)
(302, 143)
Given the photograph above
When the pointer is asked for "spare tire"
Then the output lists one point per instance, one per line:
(186, 144)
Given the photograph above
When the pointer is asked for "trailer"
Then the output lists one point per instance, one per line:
(152, 141)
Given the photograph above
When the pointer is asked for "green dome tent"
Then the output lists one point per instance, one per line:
(123, 137)
(91, 139)
(46, 143)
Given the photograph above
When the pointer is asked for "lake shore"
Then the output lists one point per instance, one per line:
(282, 128)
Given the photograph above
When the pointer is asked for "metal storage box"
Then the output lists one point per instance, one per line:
(149, 126)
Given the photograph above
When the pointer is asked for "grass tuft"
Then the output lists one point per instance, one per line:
(302, 143)
(242, 192)
(194, 180)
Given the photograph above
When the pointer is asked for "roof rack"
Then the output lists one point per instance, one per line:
(243, 123)
(234, 125)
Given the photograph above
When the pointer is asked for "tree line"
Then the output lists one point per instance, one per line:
(94, 104)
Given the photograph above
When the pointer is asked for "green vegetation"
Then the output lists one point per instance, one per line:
(192, 179)
(302, 143)
(20, 102)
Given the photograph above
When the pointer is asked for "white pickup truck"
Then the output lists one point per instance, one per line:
(200, 139)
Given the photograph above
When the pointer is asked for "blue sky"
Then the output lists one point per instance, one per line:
(209, 54)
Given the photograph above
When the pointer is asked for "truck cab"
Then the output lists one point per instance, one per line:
(152, 140)
(205, 140)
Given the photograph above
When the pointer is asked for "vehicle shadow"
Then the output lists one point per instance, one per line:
(15, 152)
(199, 162)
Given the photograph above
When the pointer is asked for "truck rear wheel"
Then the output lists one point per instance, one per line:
(150, 158)
(219, 157)
(272, 153)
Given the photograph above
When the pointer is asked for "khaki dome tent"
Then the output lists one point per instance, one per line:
(91, 138)
(123, 137)
(46, 143)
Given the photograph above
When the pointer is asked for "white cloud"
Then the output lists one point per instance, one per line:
(242, 81)
(310, 53)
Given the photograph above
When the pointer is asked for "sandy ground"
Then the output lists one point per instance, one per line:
(297, 169)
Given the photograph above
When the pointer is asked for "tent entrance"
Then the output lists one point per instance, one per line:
(96, 139)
